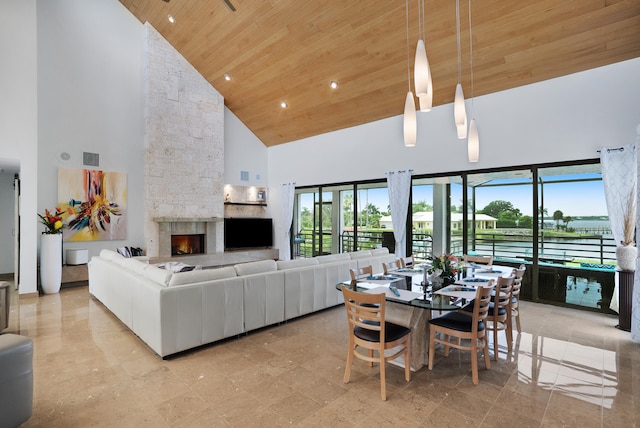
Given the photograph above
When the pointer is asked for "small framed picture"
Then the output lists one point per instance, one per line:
(261, 196)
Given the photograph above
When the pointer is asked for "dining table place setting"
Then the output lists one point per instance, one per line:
(473, 282)
(393, 293)
(378, 280)
(486, 272)
(457, 291)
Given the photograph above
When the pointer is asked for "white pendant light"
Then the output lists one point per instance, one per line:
(473, 143)
(410, 124)
(426, 101)
(421, 70)
(459, 110)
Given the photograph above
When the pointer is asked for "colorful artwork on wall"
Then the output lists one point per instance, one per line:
(95, 204)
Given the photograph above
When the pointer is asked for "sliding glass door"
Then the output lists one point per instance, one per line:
(437, 213)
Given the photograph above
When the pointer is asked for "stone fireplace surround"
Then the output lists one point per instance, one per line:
(212, 228)
(169, 226)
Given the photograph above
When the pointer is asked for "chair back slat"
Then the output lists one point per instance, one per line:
(361, 272)
(517, 283)
(481, 305)
(407, 262)
(504, 289)
(483, 260)
(396, 264)
(365, 310)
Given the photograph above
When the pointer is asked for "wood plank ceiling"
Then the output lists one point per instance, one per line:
(290, 50)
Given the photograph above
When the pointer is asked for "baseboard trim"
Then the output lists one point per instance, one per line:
(28, 295)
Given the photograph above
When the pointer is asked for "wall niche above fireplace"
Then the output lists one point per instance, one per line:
(245, 195)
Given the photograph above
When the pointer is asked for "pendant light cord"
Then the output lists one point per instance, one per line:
(421, 19)
(408, 60)
(458, 40)
(471, 60)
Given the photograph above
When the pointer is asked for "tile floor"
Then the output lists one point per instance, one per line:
(570, 368)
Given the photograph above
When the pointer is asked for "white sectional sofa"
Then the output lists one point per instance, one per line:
(174, 312)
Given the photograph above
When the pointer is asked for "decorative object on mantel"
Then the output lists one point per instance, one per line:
(443, 270)
(51, 251)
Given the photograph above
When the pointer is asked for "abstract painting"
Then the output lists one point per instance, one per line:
(94, 203)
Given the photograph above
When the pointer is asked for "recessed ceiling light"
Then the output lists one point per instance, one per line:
(283, 104)
(227, 77)
(334, 84)
(171, 18)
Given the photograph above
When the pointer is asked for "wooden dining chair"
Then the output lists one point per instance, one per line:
(394, 265)
(499, 316)
(369, 330)
(481, 260)
(515, 295)
(464, 325)
(359, 273)
(407, 262)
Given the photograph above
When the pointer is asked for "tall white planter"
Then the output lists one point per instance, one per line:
(51, 262)
(626, 256)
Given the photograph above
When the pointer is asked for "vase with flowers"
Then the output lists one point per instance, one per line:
(51, 251)
(443, 270)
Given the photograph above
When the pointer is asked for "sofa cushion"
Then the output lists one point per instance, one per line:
(297, 263)
(202, 275)
(157, 275)
(255, 267)
(135, 265)
(119, 259)
(363, 254)
(107, 254)
(380, 251)
(330, 258)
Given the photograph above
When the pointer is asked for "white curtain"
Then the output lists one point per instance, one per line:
(619, 173)
(287, 196)
(399, 183)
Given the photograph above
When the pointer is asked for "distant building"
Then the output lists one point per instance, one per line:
(424, 220)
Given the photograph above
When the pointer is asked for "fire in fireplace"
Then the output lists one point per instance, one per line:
(187, 244)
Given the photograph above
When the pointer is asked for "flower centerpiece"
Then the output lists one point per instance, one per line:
(52, 221)
(443, 269)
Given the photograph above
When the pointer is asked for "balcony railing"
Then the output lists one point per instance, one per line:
(552, 249)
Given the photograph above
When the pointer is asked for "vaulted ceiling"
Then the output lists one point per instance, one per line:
(290, 50)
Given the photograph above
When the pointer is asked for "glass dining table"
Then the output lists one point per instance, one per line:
(413, 308)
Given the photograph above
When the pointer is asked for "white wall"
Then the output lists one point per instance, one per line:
(562, 119)
(90, 100)
(18, 120)
(243, 152)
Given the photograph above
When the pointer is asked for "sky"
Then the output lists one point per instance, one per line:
(573, 199)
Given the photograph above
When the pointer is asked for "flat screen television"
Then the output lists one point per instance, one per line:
(245, 232)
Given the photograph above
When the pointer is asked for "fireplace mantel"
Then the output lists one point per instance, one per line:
(187, 219)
